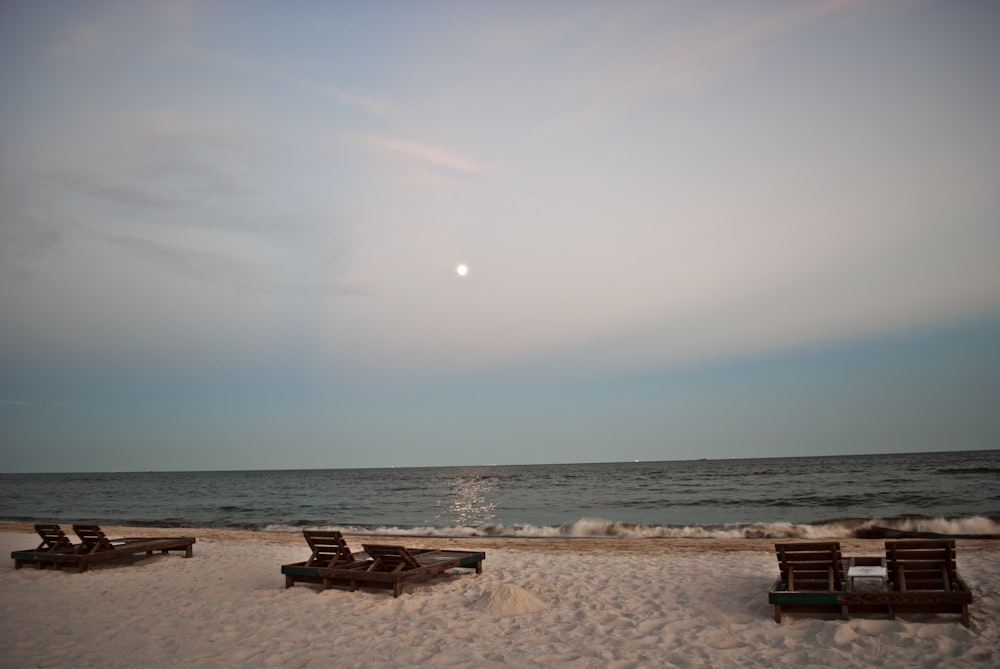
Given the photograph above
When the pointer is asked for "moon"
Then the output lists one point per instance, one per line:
(462, 270)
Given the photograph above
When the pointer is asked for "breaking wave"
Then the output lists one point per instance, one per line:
(977, 527)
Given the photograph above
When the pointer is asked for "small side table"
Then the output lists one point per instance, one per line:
(867, 568)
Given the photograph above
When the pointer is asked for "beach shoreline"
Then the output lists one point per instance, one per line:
(568, 602)
(597, 544)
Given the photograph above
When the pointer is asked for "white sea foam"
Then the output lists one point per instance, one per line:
(596, 527)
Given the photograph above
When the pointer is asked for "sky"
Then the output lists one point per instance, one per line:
(230, 232)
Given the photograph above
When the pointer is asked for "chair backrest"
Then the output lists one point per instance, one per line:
(328, 548)
(53, 538)
(93, 538)
(922, 564)
(811, 566)
(390, 558)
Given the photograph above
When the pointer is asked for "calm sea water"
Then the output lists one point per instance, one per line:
(876, 495)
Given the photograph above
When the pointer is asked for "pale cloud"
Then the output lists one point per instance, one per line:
(598, 59)
(429, 154)
(722, 45)
(171, 125)
(177, 12)
(194, 262)
(159, 27)
(370, 105)
(658, 56)
(139, 189)
(367, 104)
(82, 41)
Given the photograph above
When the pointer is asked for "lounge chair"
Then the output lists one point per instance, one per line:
(95, 546)
(812, 579)
(392, 566)
(329, 549)
(923, 576)
(95, 542)
(54, 541)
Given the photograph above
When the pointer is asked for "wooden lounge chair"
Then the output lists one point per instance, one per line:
(392, 566)
(96, 546)
(812, 579)
(53, 538)
(54, 541)
(924, 578)
(329, 549)
(333, 563)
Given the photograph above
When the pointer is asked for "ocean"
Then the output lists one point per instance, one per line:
(877, 496)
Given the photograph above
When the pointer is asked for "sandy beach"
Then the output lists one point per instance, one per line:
(581, 603)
